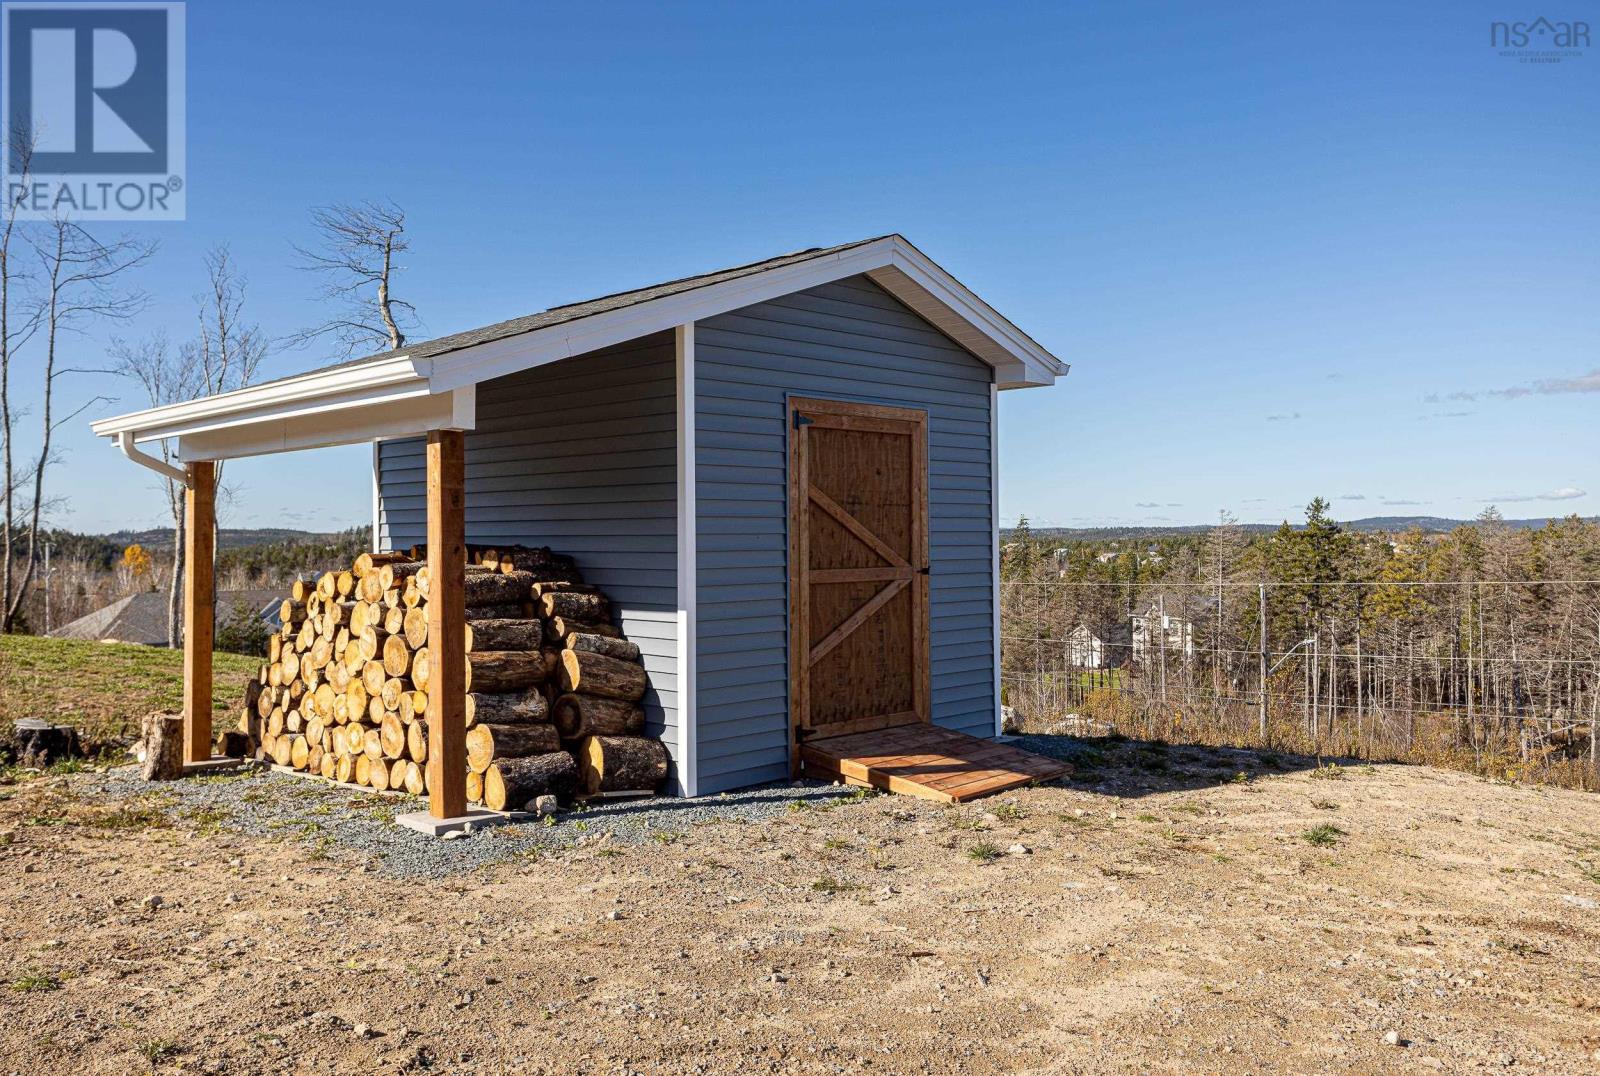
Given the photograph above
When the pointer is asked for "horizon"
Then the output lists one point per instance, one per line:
(1265, 276)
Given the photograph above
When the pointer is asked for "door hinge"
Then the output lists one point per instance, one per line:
(800, 420)
(922, 571)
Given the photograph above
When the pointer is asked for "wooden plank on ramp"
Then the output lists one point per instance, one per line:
(926, 761)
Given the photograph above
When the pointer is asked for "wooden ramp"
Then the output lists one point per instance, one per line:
(927, 761)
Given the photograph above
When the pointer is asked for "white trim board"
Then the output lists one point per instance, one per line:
(687, 574)
(994, 562)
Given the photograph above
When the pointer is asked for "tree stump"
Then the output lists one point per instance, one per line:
(40, 743)
(163, 747)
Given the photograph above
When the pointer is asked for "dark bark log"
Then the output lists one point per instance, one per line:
(621, 764)
(231, 743)
(513, 784)
(577, 716)
(621, 649)
(495, 588)
(576, 605)
(487, 743)
(562, 628)
(521, 708)
(494, 671)
(504, 634)
(595, 674)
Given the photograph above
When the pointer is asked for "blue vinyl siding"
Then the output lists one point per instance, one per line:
(846, 340)
(579, 455)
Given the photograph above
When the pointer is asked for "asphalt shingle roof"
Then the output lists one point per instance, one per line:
(142, 618)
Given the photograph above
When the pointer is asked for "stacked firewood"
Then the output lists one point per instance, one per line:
(553, 687)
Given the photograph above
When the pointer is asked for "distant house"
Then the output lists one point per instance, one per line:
(1097, 648)
(142, 618)
(1154, 631)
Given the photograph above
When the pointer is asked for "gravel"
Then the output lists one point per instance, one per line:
(337, 821)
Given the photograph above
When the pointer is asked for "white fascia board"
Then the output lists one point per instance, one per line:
(348, 424)
(901, 269)
(387, 379)
(916, 280)
(687, 569)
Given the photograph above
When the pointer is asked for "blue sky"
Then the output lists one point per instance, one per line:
(1289, 250)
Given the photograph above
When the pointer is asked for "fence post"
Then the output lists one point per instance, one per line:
(1262, 656)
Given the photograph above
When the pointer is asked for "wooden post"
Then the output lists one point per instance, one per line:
(200, 542)
(447, 624)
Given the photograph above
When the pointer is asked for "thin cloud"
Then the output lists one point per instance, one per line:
(1147, 504)
(1564, 493)
(1548, 386)
(1352, 496)
(1291, 417)
(1400, 502)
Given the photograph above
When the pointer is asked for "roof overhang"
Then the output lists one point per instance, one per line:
(401, 395)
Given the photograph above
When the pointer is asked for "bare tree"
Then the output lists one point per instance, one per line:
(225, 354)
(15, 329)
(355, 258)
(80, 280)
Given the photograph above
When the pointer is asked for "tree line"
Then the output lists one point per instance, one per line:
(1482, 642)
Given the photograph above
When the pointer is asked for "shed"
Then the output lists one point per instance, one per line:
(783, 474)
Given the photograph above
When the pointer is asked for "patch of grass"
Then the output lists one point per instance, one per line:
(133, 816)
(1145, 816)
(837, 844)
(1323, 836)
(1241, 778)
(855, 795)
(1589, 871)
(97, 686)
(208, 820)
(156, 1051)
(666, 837)
(1518, 947)
(830, 885)
(799, 805)
(1088, 758)
(1008, 812)
(1325, 805)
(984, 852)
(1331, 772)
(33, 982)
(609, 853)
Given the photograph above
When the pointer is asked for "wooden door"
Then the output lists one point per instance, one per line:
(858, 567)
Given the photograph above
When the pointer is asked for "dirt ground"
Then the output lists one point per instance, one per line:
(1175, 910)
